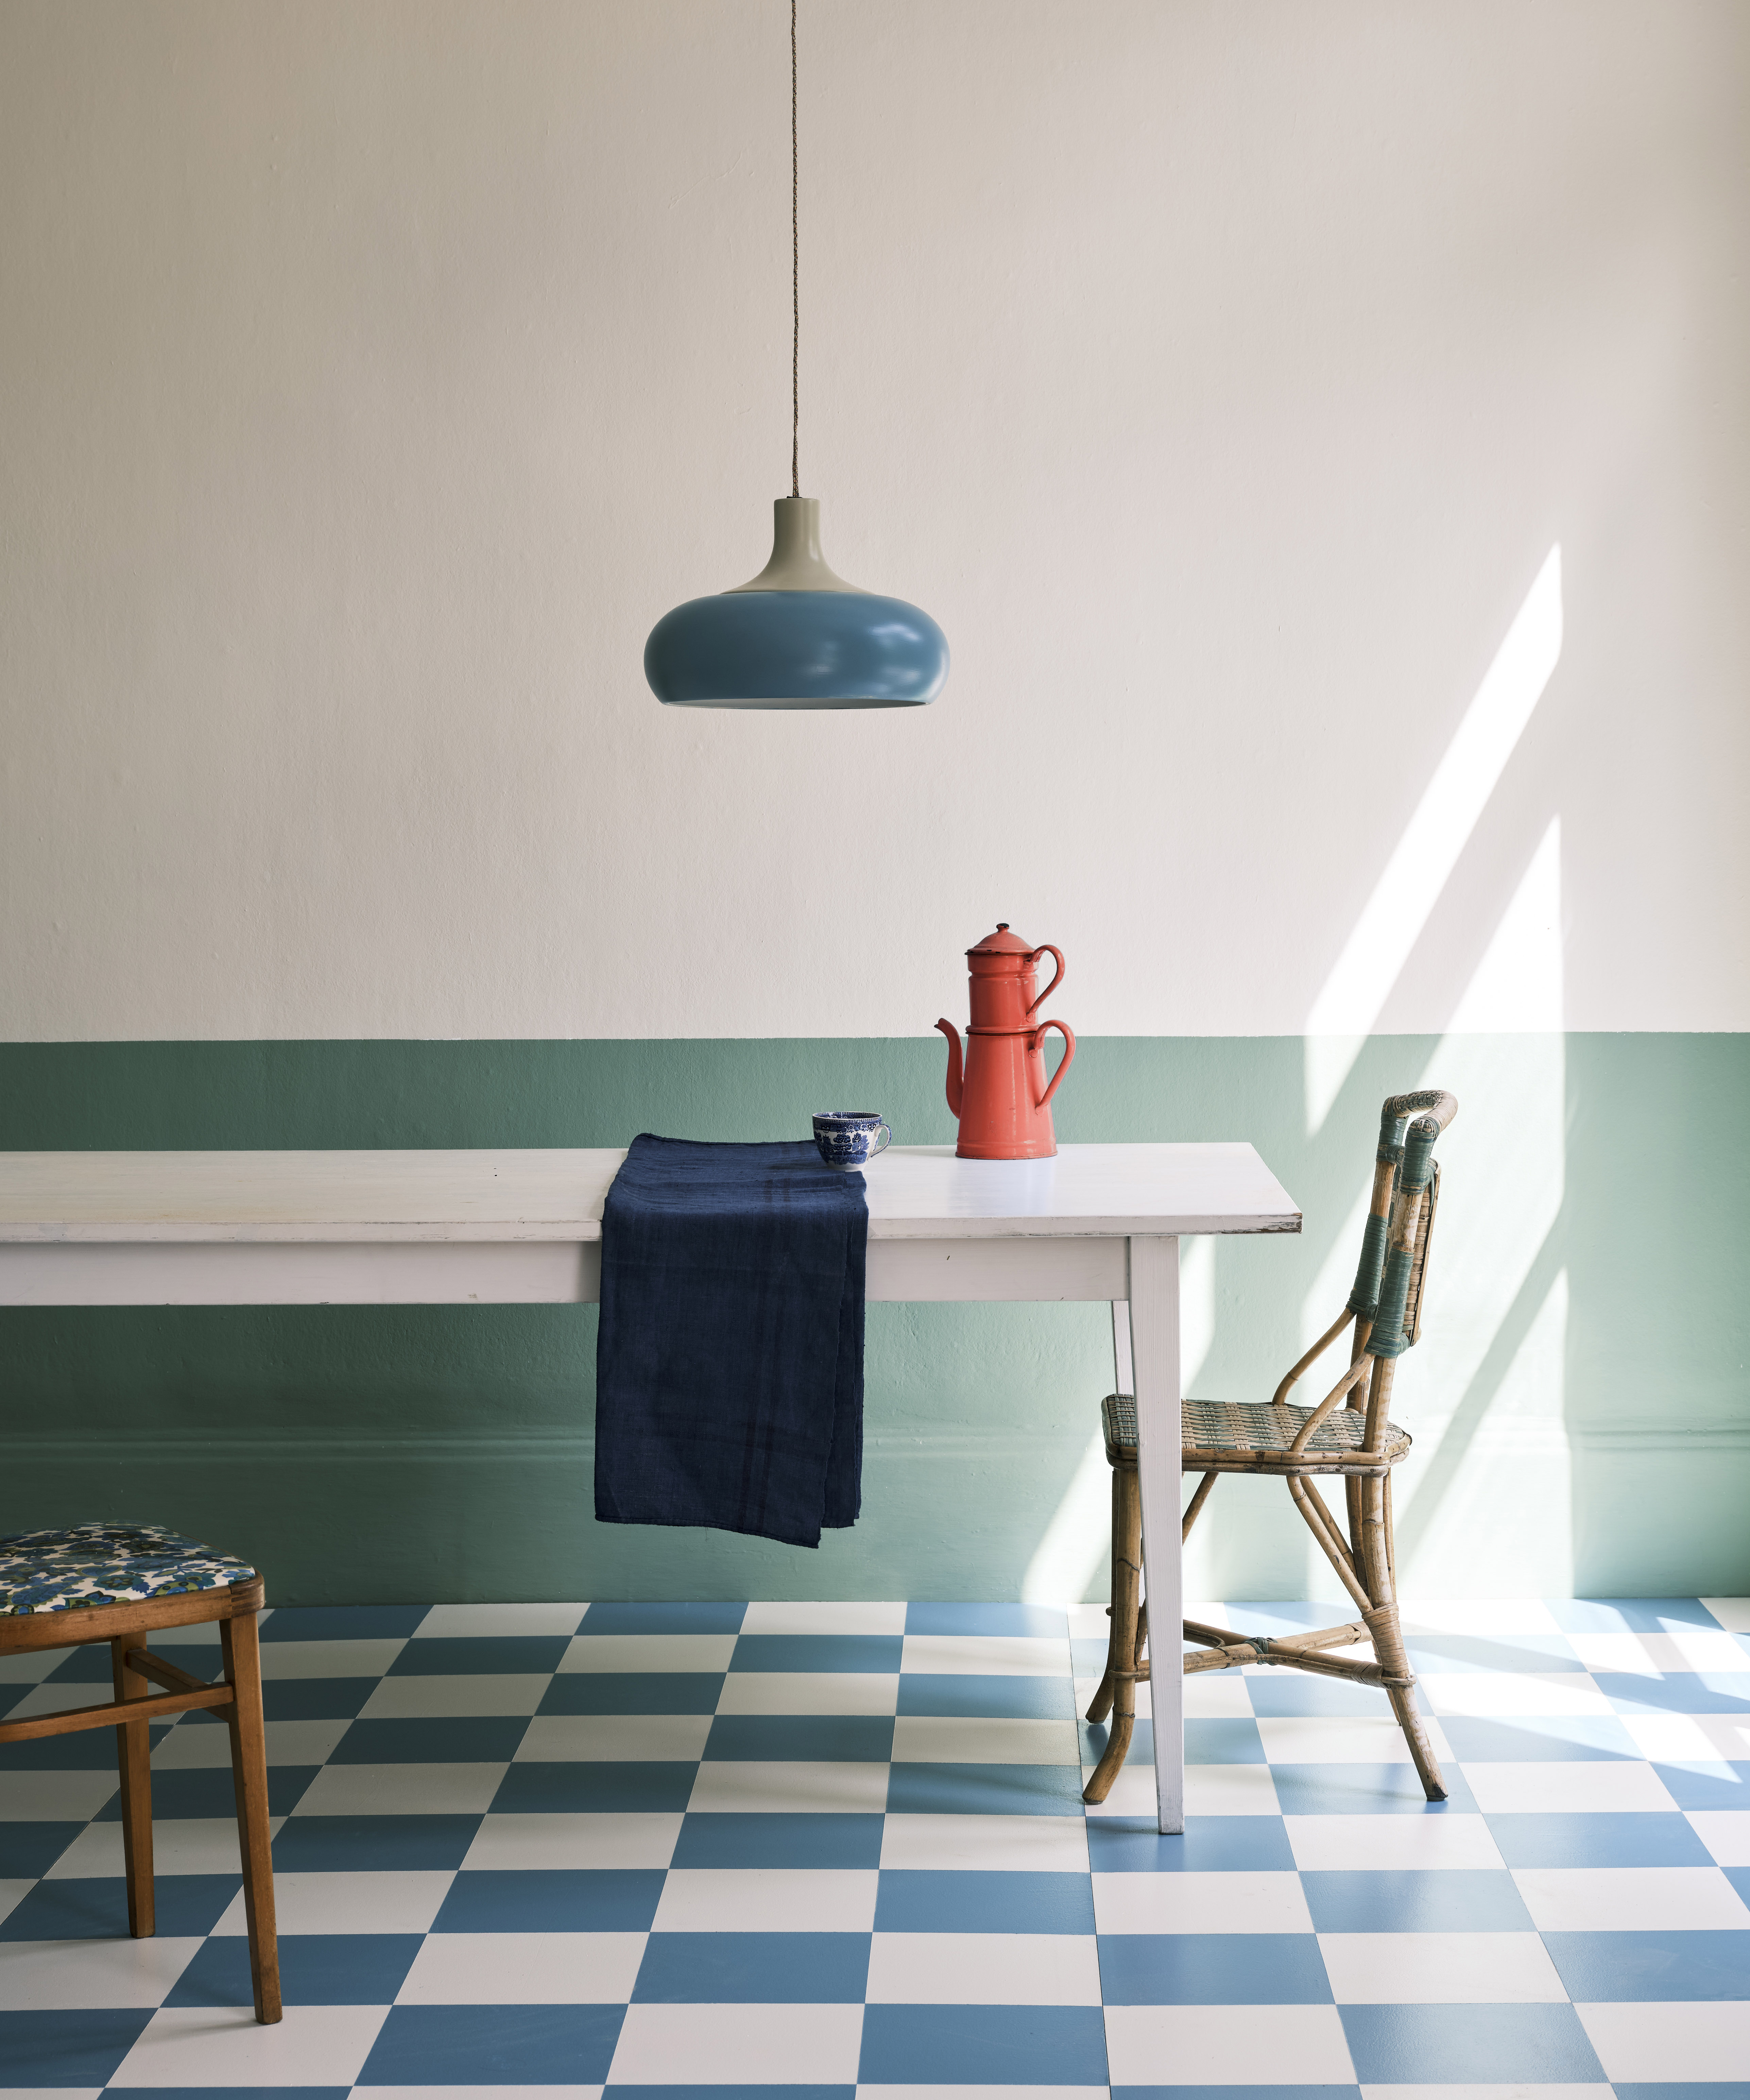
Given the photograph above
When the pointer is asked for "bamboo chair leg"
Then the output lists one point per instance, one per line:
(1118, 1687)
(248, 1772)
(1373, 1550)
(133, 1754)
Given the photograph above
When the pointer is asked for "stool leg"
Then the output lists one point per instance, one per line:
(133, 1754)
(1101, 1704)
(248, 1772)
(1127, 1582)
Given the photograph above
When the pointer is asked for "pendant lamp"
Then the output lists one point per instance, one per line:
(797, 636)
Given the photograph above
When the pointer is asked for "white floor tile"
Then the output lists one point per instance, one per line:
(1726, 1832)
(1527, 2091)
(423, 1698)
(988, 1844)
(31, 1666)
(182, 1845)
(846, 1618)
(932, 1739)
(1479, 1615)
(88, 2093)
(1091, 1622)
(470, 2093)
(1132, 1792)
(1227, 2045)
(1367, 1738)
(13, 1894)
(935, 2092)
(54, 1797)
(61, 1698)
(681, 1654)
(523, 1969)
(986, 1655)
(196, 1749)
(614, 1839)
(207, 2045)
(421, 1789)
(1440, 1969)
(58, 1975)
(1087, 1686)
(1678, 1650)
(617, 1738)
(394, 1901)
(1732, 1613)
(1217, 1694)
(1236, 1902)
(1597, 1785)
(1217, 1789)
(469, 1622)
(789, 1789)
(1389, 1843)
(1670, 2044)
(1631, 1899)
(767, 1899)
(808, 1692)
(743, 2044)
(1500, 1695)
(1691, 1738)
(328, 1658)
(984, 1969)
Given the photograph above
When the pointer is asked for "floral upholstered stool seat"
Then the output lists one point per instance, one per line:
(120, 1583)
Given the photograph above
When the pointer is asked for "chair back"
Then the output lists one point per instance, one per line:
(1386, 1299)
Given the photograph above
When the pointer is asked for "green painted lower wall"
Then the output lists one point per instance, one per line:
(1581, 1398)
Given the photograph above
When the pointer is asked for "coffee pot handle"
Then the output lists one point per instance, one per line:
(1045, 948)
(1069, 1051)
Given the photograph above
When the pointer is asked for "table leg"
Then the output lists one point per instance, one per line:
(1154, 1364)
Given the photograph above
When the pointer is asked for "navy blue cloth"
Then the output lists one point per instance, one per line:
(729, 1359)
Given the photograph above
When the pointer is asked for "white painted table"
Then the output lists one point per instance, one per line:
(1100, 1222)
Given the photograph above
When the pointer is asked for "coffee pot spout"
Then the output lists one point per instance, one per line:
(954, 1073)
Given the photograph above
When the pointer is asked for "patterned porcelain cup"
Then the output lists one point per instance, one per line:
(850, 1137)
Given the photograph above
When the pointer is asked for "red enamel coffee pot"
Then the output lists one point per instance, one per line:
(1003, 1098)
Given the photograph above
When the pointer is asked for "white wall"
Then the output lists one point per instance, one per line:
(374, 373)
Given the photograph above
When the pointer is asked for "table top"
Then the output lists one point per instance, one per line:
(914, 1192)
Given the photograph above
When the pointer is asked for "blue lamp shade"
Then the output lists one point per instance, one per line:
(797, 637)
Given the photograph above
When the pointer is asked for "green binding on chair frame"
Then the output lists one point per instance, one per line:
(1358, 1441)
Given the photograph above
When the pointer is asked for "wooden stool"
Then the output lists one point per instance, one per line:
(119, 1583)
(1357, 1441)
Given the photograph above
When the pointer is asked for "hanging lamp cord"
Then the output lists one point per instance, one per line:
(796, 277)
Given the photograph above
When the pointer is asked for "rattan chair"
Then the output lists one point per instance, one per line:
(120, 1583)
(1355, 1440)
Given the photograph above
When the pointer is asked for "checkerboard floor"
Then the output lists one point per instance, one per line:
(839, 1849)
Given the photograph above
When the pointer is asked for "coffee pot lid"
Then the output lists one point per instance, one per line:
(1002, 942)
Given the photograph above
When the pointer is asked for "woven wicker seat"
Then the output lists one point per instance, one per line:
(1349, 1433)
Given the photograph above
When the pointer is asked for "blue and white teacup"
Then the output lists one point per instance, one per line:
(850, 1137)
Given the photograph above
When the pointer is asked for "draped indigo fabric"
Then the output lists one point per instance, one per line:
(729, 1359)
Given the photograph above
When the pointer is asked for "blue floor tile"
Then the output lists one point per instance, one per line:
(1537, 1652)
(494, 2045)
(95, 1907)
(874, 1653)
(1211, 1844)
(461, 1739)
(208, 1791)
(634, 1692)
(1237, 2092)
(27, 1850)
(548, 1790)
(1036, 1622)
(1562, 1739)
(481, 1655)
(92, 1750)
(1087, 1658)
(371, 1844)
(315, 1969)
(314, 1698)
(1213, 1969)
(1469, 2045)
(779, 1841)
(552, 1900)
(308, 1622)
(663, 1619)
(983, 2045)
(1740, 1878)
(1208, 1740)
(749, 1968)
(1445, 1899)
(987, 1698)
(1666, 1966)
(1358, 1789)
(1289, 1694)
(954, 1900)
(81, 2048)
(1640, 1615)
(1645, 1839)
(1679, 1692)
(822, 1738)
(969, 1789)
(1723, 1785)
